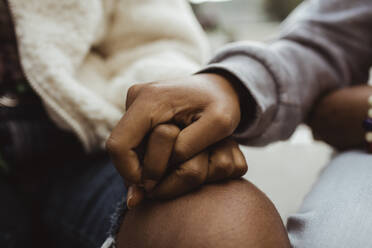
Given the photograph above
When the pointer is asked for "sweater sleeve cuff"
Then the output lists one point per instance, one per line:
(256, 87)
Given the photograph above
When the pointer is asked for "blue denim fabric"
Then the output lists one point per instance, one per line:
(77, 204)
(337, 211)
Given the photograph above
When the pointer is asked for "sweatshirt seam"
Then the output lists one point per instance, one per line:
(279, 101)
(275, 79)
(267, 68)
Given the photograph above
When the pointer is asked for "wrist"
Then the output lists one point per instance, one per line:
(367, 125)
(247, 104)
(337, 117)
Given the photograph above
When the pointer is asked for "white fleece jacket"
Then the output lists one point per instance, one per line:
(81, 56)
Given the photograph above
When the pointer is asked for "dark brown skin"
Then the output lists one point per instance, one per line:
(337, 118)
(233, 214)
(182, 124)
(172, 140)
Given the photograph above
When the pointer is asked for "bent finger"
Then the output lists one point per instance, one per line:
(221, 162)
(158, 152)
(209, 129)
(132, 94)
(184, 179)
(125, 138)
(135, 196)
(241, 166)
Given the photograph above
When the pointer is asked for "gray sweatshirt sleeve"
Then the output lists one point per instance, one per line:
(324, 45)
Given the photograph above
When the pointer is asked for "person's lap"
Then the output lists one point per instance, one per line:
(84, 194)
(334, 213)
(81, 202)
(15, 217)
(83, 198)
(76, 205)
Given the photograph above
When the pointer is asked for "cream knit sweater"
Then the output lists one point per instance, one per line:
(81, 56)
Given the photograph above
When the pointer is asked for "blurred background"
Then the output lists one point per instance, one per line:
(285, 171)
(230, 20)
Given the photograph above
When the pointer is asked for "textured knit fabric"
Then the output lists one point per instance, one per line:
(324, 45)
(10, 69)
(81, 56)
(337, 211)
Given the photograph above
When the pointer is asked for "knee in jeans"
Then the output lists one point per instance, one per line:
(231, 214)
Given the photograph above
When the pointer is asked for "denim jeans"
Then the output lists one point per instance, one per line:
(75, 205)
(337, 211)
(78, 200)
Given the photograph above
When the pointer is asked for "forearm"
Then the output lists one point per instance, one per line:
(338, 117)
(324, 46)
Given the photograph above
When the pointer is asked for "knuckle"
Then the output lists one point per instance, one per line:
(138, 90)
(191, 176)
(133, 91)
(242, 169)
(225, 122)
(149, 88)
(112, 145)
(224, 167)
(166, 131)
(241, 164)
(180, 152)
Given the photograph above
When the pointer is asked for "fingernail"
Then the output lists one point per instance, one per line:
(130, 197)
(135, 196)
(149, 185)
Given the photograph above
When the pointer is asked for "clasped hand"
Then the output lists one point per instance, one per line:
(174, 137)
